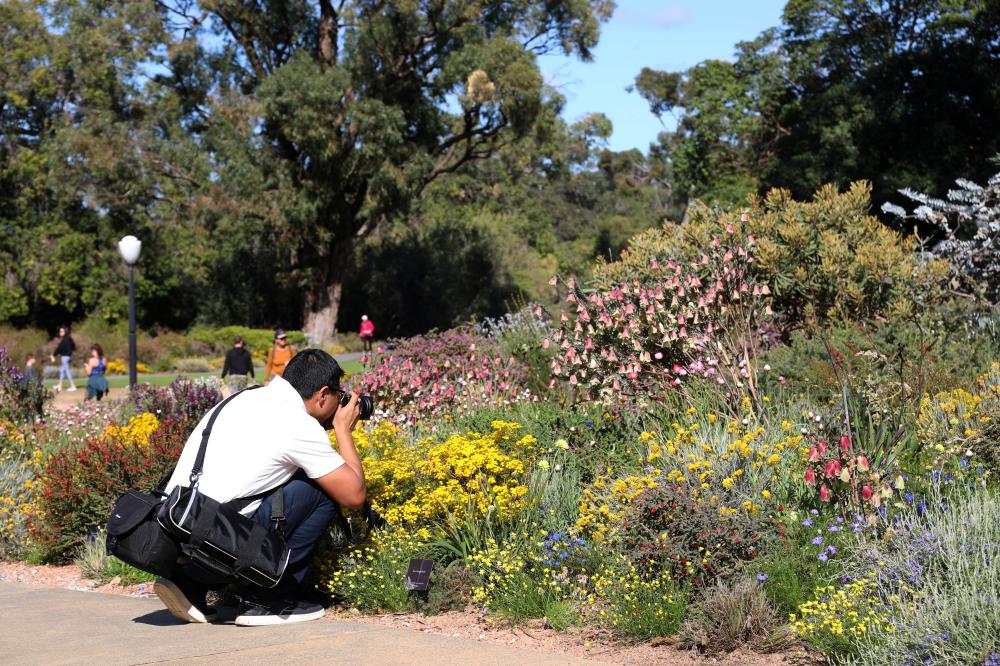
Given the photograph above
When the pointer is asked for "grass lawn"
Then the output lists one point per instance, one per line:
(164, 378)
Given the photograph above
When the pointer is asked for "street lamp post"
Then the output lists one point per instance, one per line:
(129, 247)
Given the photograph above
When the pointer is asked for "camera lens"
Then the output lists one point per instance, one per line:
(365, 404)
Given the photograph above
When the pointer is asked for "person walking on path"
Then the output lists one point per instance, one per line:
(367, 332)
(64, 350)
(274, 437)
(278, 356)
(238, 366)
(97, 383)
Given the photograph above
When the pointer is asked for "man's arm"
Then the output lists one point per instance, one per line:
(346, 484)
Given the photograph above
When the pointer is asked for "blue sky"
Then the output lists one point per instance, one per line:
(663, 34)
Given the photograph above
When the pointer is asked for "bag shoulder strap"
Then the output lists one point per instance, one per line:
(199, 461)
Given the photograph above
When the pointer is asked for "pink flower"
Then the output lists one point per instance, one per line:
(813, 454)
(845, 442)
(863, 463)
(822, 448)
(824, 493)
(810, 477)
(866, 492)
(831, 469)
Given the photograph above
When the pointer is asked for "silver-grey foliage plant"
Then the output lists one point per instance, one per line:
(970, 222)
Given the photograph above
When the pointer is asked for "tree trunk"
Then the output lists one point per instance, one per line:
(322, 303)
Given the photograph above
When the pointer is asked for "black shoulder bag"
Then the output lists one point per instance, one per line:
(217, 536)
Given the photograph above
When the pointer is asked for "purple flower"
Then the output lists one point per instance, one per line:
(762, 577)
(822, 557)
(834, 528)
(818, 540)
(807, 522)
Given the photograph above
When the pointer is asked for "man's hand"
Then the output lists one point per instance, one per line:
(346, 484)
(347, 416)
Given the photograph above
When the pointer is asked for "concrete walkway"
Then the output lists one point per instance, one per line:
(53, 626)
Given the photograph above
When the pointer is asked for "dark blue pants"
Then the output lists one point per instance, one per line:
(308, 512)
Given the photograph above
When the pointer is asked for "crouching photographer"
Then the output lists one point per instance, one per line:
(268, 438)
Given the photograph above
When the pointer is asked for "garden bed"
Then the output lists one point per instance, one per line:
(468, 625)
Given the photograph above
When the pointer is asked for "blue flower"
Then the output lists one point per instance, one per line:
(762, 577)
(807, 522)
(818, 541)
(822, 557)
(834, 528)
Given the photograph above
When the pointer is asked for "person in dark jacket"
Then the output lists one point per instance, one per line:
(238, 366)
(64, 350)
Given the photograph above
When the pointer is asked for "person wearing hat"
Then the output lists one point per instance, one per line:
(278, 356)
(367, 332)
(238, 366)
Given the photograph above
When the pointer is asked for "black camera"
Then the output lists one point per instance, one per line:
(365, 402)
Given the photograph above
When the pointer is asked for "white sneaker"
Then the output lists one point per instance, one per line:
(187, 605)
(71, 388)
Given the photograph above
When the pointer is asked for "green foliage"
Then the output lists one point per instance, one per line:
(837, 92)
(258, 341)
(792, 568)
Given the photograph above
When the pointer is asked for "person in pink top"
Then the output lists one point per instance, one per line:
(367, 332)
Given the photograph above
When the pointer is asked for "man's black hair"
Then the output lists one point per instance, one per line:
(311, 370)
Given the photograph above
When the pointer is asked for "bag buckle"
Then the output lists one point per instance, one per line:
(193, 479)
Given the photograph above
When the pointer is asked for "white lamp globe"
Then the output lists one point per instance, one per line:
(129, 247)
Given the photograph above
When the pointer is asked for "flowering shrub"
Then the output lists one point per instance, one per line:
(453, 371)
(136, 432)
(520, 578)
(77, 487)
(844, 475)
(182, 401)
(18, 468)
(118, 366)
(962, 428)
(669, 527)
(419, 485)
(841, 614)
(679, 320)
(933, 581)
(371, 576)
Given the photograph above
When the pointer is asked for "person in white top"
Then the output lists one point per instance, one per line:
(263, 439)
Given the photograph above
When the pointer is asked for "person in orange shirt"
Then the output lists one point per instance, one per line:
(278, 356)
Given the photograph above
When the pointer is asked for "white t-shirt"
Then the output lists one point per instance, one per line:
(259, 441)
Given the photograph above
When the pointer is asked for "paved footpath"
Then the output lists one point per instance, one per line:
(52, 626)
